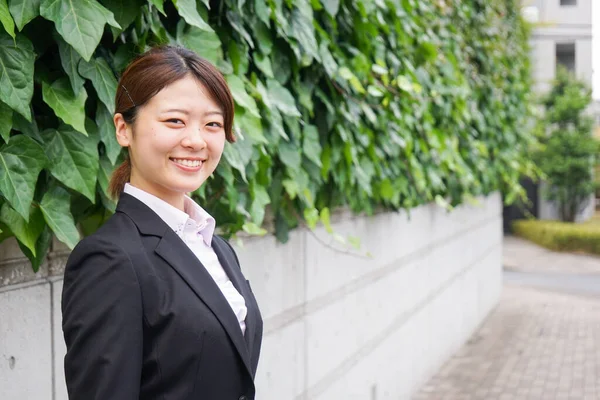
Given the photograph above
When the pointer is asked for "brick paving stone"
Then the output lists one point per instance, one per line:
(536, 344)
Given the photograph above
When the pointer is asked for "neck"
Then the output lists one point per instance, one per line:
(175, 199)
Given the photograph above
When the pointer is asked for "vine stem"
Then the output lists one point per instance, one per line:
(325, 244)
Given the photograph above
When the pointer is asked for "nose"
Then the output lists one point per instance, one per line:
(194, 139)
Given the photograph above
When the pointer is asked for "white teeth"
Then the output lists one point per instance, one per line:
(187, 163)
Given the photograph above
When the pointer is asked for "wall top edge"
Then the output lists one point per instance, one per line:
(15, 270)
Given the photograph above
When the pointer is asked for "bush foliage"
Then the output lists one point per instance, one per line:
(561, 236)
(357, 103)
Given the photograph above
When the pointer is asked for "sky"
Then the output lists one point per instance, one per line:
(596, 48)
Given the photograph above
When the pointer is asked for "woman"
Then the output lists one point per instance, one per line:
(154, 305)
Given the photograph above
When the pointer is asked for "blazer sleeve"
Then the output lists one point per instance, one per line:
(102, 323)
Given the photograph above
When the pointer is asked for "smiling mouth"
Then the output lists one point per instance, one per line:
(187, 163)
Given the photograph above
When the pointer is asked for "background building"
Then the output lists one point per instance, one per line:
(562, 36)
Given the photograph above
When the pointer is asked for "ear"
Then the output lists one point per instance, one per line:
(122, 130)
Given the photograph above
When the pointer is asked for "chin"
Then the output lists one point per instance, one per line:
(187, 187)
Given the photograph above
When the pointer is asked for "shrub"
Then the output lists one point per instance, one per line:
(560, 236)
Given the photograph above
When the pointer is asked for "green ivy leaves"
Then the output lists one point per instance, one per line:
(16, 73)
(80, 22)
(21, 161)
(66, 105)
(358, 104)
(103, 80)
(73, 159)
(188, 11)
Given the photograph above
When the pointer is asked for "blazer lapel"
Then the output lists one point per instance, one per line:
(230, 266)
(172, 249)
(176, 253)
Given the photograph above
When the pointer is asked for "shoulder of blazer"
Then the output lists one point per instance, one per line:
(111, 236)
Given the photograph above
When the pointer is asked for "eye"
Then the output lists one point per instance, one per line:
(215, 124)
(176, 121)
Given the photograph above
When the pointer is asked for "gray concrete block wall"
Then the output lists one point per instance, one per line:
(336, 325)
(26, 343)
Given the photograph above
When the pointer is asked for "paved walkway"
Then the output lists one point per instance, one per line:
(542, 342)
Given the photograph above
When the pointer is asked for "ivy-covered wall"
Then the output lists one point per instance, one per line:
(358, 103)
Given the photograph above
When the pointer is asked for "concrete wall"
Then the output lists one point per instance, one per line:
(337, 326)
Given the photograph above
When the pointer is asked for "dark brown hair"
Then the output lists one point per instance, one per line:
(151, 72)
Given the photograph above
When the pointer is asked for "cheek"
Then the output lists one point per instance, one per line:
(216, 144)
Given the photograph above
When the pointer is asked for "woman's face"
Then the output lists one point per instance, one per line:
(176, 141)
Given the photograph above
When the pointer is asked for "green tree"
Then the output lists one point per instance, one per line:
(569, 152)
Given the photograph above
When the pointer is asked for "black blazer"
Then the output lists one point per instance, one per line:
(143, 319)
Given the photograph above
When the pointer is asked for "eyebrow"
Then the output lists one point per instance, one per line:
(186, 112)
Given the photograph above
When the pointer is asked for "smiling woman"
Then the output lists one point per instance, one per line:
(154, 304)
(171, 90)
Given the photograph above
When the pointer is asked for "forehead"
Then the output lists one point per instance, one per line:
(187, 92)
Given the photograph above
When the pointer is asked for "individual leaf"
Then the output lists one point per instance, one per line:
(311, 216)
(188, 11)
(264, 38)
(241, 97)
(73, 159)
(206, 44)
(238, 55)
(348, 75)
(106, 129)
(80, 23)
(290, 155)
(264, 64)
(260, 199)
(282, 98)
(262, 10)
(386, 190)
(41, 247)
(311, 145)
(237, 23)
(24, 11)
(69, 59)
(26, 232)
(291, 188)
(66, 106)
(238, 155)
(124, 11)
(327, 60)
(331, 6)
(6, 19)
(250, 125)
(159, 5)
(55, 207)
(16, 73)
(103, 80)
(6, 117)
(21, 161)
(28, 128)
(161, 35)
(324, 216)
(104, 173)
(253, 229)
(302, 29)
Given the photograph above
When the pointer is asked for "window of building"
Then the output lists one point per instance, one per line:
(568, 2)
(565, 55)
